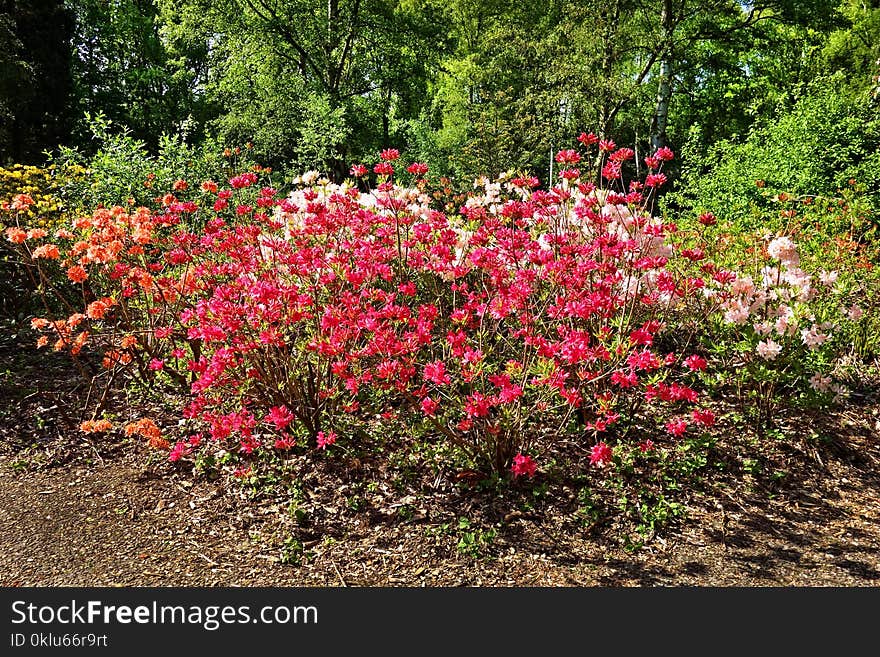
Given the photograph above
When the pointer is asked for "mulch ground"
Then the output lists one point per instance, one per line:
(80, 512)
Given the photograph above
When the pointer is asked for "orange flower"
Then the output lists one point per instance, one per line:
(37, 233)
(42, 341)
(96, 426)
(77, 274)
(75, 320)
(128, 341)
(47, 251)
(98, 309)
(110, 359)
(16, 235)
(180, 185)
(146, 428)
(79, 342)
(21, 202)
(38, 323)
(209, 186)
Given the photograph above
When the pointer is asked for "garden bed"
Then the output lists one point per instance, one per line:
(106, 512)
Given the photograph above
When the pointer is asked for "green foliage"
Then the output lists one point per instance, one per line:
(825, 140)
(473, 541)
(123, 69)
(123, 171)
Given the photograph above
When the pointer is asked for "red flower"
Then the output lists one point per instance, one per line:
(708, 219)
(436, 373)
(326, 439)
(383, 169)
(587, 138)
(523, 464)
(704, 416)
(389, 154)
(568, 157)
(600, 455)
(417, 169)
(179, 450)
(429, 406)
(677, 427)
(695, 362)
(655, 180)
(280, 416)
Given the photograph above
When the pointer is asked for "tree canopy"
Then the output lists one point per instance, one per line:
(468, 86)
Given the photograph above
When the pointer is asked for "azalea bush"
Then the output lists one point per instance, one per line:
(43, 210)
(511, 322)
(800, 322)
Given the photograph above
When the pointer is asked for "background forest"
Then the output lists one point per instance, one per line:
(789, 86)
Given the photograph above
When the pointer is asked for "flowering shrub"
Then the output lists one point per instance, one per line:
(40, 185)
(508, 322)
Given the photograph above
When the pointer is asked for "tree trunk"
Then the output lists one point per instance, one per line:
(610, 14)
(664, 84)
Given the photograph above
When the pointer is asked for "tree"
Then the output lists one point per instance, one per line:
(311, 83)
(35, 80)
(123, 69)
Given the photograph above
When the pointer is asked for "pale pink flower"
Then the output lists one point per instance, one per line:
(784, 250)
(854, 313)
(763, 328)
(828, 278)
(736, 313)
(785, 325)
(820, 382)
(770, 276)
(768, 349)
(813, 337)
(743, 285)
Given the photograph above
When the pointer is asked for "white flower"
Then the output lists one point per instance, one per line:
(309, 177)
